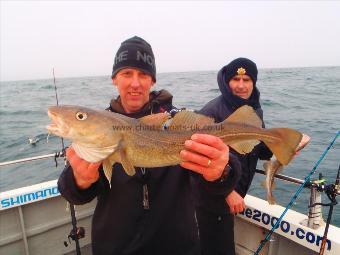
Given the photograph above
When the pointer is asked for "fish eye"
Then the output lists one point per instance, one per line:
(81, 116)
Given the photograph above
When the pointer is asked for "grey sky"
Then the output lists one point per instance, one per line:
(80, 38)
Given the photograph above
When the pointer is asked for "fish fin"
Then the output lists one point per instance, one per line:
(244, 147)
(93, 154)
(107, 168)
(189, 120)
(245, 115)
(155, 120)
(284, 149)
(128, 167)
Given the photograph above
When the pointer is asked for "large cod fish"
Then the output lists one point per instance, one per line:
(99, 135)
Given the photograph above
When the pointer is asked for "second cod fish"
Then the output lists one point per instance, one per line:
(99, 135)
(273, 167)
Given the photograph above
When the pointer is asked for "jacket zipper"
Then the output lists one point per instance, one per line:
(146, 204)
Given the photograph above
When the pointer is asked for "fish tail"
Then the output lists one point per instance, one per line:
(284, 149)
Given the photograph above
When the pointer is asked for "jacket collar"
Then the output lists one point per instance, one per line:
(157, 99)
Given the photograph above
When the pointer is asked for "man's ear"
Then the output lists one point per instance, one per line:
(114, 81)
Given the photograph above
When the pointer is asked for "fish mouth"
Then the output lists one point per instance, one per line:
(57, 126)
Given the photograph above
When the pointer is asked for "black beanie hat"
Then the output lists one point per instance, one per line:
(241, 66)
(135, 52)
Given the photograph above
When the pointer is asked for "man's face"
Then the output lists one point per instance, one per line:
(134, 87)
(241, 85)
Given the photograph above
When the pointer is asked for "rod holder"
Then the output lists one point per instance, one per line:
(315, 219)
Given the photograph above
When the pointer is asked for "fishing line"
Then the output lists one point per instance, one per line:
(56, 98)
(306, 180)
(75, 230)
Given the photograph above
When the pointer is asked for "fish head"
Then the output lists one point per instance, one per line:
(82, 125)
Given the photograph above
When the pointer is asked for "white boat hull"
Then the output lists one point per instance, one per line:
(34, 220)
(291, 237)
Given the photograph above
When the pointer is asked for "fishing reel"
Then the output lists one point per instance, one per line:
(60, 154)
(331, 190)
(80, 233)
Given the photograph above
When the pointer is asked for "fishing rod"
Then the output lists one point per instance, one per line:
(306, 180)
(56, 98)
(76, 232)
(331, 194)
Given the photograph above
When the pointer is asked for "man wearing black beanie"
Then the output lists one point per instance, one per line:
(135, 52)
(237, 83)
(151, 212)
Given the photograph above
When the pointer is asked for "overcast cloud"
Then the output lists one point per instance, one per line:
(80, 38)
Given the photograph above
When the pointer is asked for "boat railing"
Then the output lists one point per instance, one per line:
(315, 219)
(23, 160)
(316, 190)
(309, 185)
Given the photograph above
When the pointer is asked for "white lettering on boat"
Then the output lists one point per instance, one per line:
(284, 227)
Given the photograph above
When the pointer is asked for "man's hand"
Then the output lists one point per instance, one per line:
(235, 202)
(85, 173)
(206, 155)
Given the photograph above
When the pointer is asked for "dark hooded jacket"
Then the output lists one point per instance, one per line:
(121, 224)
(220, 108)
(216, 223)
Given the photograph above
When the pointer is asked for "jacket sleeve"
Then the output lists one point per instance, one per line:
(264, 152)
(224, 185)
(211, 195)
(69, 190)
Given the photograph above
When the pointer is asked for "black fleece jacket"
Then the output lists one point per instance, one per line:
(120, 223)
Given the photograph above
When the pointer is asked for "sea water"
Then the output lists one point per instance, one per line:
(306, 99)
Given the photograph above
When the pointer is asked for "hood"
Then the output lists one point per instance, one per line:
(235, 101)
